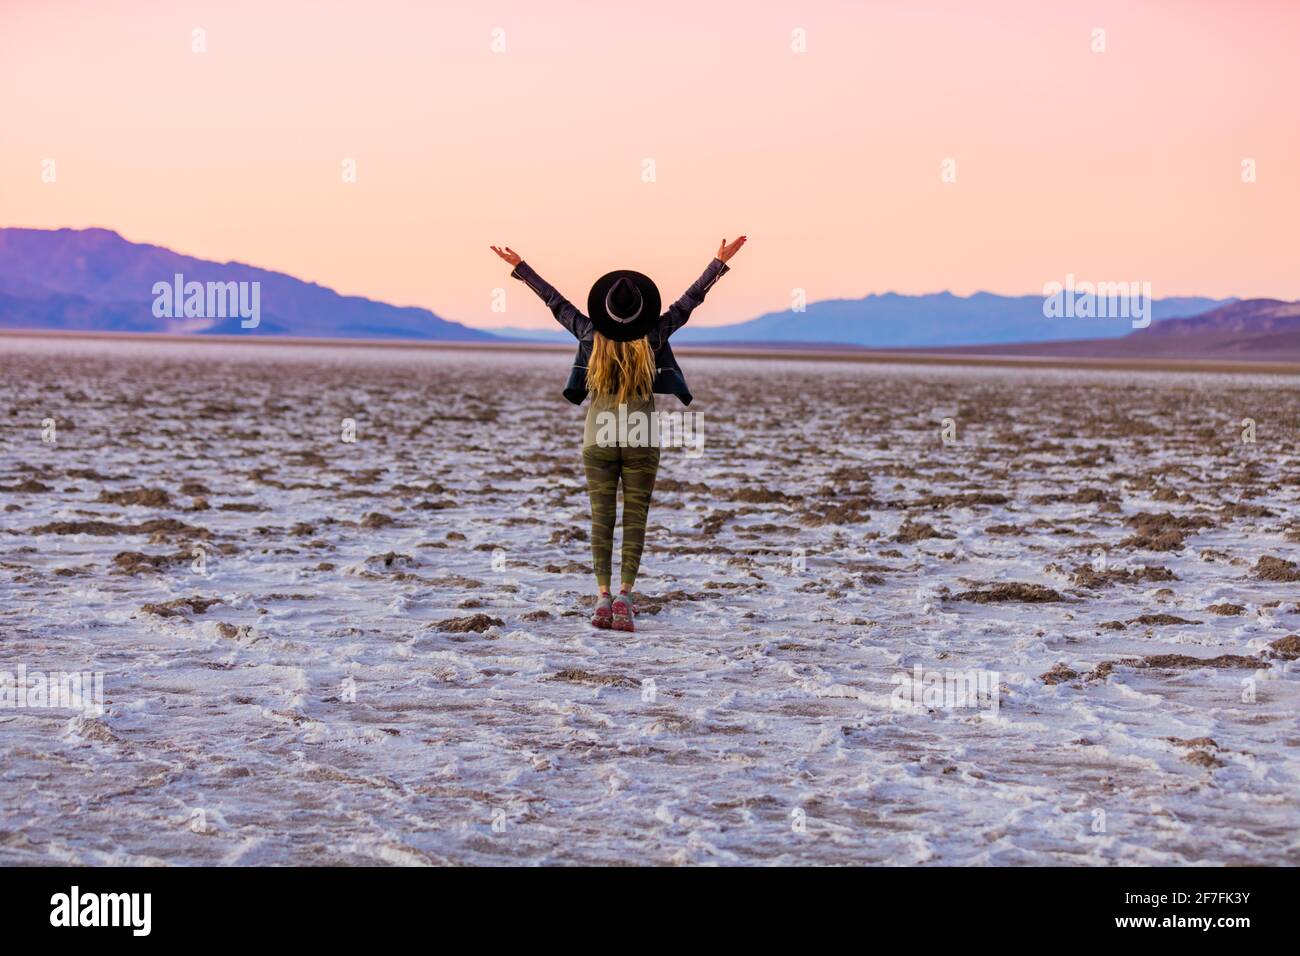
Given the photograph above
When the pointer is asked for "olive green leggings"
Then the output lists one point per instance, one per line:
(605, 466)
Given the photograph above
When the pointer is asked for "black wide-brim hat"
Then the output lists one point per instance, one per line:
(623, 305)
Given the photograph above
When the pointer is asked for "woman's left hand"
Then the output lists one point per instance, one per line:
(725, 251)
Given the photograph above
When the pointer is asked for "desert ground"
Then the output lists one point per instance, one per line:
(326, 651)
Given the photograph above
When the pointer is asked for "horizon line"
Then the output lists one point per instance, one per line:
(487, 328)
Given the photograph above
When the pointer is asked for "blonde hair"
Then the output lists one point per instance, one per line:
(622, 369)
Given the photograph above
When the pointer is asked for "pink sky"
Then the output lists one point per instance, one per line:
(1124, 165)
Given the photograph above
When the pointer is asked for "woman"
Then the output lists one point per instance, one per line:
(623, 360)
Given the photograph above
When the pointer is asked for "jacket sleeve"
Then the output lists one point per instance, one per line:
(564, 311)
(681, 310)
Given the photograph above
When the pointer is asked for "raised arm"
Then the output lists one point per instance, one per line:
(565, 312)
(681, 310)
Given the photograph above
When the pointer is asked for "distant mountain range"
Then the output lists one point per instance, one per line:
(94, 280)
(939, 319)
(1249, 330)
(911, 321)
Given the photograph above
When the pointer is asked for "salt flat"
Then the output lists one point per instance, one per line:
(294, 671)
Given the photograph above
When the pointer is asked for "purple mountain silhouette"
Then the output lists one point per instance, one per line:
(94, 280)
(1249, 330)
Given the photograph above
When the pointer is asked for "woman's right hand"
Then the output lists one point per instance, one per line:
(508, 254)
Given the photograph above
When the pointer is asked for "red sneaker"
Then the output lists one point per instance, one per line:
(623, 612)
(603, 615)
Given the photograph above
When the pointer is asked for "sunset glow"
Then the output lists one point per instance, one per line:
(1124, 164)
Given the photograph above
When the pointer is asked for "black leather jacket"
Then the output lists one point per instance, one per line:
(669, 379)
